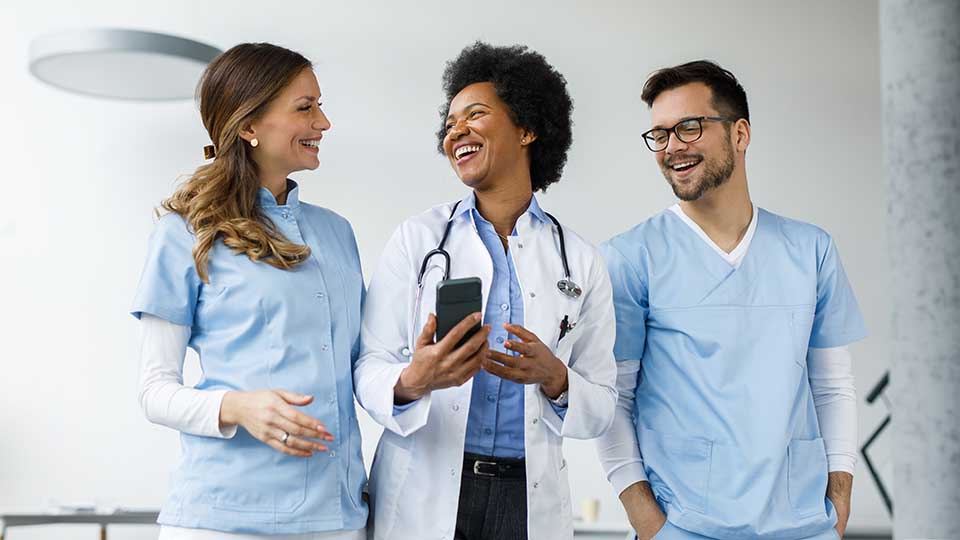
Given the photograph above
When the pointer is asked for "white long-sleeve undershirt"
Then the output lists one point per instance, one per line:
(164, 398)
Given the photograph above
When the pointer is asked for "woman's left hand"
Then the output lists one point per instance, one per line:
(536, 364)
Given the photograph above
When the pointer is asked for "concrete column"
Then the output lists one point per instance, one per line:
(920, 65)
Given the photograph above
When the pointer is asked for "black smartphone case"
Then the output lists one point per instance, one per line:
(457, 298)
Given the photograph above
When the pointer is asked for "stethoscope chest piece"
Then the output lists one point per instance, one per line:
(569, 288)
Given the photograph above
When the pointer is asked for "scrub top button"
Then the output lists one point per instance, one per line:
(455, 407)
(536, 485)
(453, 472)
(520, 245)
(324, 347)
(333, 453)
(504, 307)
(499, 340)
(534, 421)
(491, 398)
(320, 295)
(533, 295)
(487, 431)
(405, 351)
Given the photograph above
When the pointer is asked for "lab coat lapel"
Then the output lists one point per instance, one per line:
(536, 262)
(469, 256)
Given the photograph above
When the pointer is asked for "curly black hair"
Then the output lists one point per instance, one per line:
(533, 90)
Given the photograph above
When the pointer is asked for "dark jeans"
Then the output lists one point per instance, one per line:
(491, 508)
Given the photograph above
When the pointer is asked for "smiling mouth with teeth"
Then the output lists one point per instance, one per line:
(466, 150)
(685, 165)
(311, 143)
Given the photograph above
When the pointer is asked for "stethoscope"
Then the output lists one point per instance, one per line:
(566, 285)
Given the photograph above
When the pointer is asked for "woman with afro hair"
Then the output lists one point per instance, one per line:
(472, 448)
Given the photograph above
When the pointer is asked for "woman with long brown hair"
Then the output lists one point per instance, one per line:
(267, 289)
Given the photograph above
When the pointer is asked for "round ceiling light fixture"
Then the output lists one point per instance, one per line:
(121, 64)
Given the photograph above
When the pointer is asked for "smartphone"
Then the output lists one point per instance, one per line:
(457, 298)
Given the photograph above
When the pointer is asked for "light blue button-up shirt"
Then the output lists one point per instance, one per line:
(254, 327)
(495, 421)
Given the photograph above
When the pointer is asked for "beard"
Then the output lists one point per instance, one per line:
(715, 173)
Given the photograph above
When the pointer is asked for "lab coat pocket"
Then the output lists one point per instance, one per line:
(558, 340)
(807, 477)
(566, 339)
(551, 338)
(678, 468)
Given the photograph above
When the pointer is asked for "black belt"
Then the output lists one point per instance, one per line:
(493, 467)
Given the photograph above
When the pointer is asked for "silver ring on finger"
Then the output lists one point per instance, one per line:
(285, 438)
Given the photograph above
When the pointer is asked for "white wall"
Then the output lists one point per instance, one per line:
(83, 174)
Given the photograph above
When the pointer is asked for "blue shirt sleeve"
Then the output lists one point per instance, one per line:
(169, 284)
(560, 410)
(837, 320)
(397, 409)
(630, 304)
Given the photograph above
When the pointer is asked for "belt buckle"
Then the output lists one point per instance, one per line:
(476, 468)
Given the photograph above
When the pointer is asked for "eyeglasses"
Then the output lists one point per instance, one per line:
(688, 131)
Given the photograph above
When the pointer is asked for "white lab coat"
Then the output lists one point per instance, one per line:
(415, 479)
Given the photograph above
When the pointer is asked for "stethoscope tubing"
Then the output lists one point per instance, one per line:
(566, 286)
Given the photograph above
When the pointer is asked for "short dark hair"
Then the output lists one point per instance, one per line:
(729, 97)
(533, 90)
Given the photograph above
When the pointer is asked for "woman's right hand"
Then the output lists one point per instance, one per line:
(268, 414)
(439, 365)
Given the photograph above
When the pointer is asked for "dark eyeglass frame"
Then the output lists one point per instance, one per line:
(651, 144)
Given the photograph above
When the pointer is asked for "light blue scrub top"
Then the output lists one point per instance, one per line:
(724, 413)
(259, 327)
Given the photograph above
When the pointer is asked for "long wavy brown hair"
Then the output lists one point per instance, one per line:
(219, 200)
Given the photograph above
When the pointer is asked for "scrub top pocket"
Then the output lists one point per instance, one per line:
(807, 477)
(280, 480)
(682, 463)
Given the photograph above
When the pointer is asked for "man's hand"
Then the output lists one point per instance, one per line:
(644, 514)
(839, 486)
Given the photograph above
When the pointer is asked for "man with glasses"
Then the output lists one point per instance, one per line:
(737, 412)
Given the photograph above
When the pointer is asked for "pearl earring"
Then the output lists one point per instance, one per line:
(254, 142)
